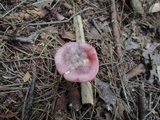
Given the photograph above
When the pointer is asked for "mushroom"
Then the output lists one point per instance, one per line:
(77, 62)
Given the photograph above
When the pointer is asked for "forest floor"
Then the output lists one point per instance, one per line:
(126, 36)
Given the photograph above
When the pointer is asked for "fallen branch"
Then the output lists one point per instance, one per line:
(115, 27)
(29, 100)
(86, 88)
(28, 39)
(53, 22)
(23, 1)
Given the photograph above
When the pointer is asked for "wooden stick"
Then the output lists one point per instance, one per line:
(86, 88)
(30, 97)
(115, 27)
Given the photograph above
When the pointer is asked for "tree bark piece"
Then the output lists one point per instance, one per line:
(86, 88)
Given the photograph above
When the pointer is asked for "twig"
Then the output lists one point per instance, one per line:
(28, 104)
(121, 67)
(46, 94)
(13, 8)
(86, 88)
(141, 102)
(125, 93)
(28, 39)
(3, 7)
(94, 23)
(115, 27)
(53, 22)
(152, 110)
(11, 88)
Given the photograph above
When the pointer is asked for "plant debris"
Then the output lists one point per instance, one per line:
(126, 37)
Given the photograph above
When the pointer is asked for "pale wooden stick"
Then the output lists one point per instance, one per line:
(86, 88)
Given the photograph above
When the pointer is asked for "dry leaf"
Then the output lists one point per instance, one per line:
(154, 8)
(74, 97)
(106, 94)
(121, 107)
(137, 6)
(100, 111)
(152, 52)
(59, 17)
(68, 35)
(60, 111)
(67, 5)
(93, 34)
(26, 77)
(26, 15)
(130, 45)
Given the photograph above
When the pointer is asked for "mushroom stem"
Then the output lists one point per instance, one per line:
(86, 88)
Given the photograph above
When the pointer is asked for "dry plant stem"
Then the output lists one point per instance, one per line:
(86, 88)
(10, 88)
(94, 23)
(141, 98)
(115, 27)
(64, 21)
(153, 109)
(125, 93)
(29, 100)
(28, 39)
(23, 1)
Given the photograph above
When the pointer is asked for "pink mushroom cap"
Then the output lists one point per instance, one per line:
(77, 62)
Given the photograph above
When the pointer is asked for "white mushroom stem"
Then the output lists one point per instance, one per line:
(86, 88)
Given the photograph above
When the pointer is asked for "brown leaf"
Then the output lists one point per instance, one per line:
(74, 97)
(68, 35)
(60, 112)
(59, 17)
(26, 77)
(26, 15)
